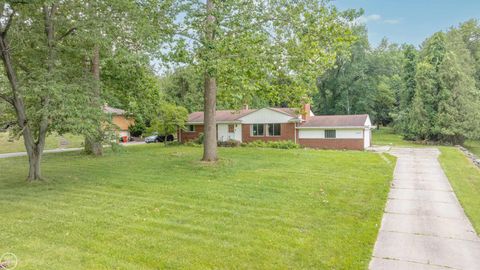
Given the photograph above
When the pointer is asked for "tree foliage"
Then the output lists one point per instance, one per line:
(49, 50)
(249, 50)
(168, 118)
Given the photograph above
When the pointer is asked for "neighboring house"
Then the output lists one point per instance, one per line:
(274, 124)
(120, 119)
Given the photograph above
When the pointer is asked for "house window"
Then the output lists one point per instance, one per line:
(330, 134)
(257, 130)
(231, 128)
(191, 128)
(274, 129)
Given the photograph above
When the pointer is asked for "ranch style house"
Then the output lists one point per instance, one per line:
(280, 124)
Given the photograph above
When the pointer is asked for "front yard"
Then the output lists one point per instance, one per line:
(151, 207)
(53, 141)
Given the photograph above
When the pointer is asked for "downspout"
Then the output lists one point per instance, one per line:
(295, 135)
(179, 131)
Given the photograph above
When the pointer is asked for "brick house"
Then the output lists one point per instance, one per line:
(120, 120)
(273, 124)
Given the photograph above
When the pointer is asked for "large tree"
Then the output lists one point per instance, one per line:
(363, 80)
(51, 61)
(40, 70)
(133, 29)
(245, 49)
(445, 105)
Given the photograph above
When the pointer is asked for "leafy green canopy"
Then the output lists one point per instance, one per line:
(446, 102)
(263, 52)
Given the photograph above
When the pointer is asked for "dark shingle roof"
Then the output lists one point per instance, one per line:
(336, 121)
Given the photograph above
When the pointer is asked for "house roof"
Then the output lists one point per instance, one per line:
(356, 120)
(111, 110)
(234, 115)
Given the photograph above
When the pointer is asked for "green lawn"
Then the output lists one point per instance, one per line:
(151, 207)
(52, 141)
(387, 136)
(473, 146)
(465, 180)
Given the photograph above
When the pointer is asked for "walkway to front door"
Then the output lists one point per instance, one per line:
(424, 225)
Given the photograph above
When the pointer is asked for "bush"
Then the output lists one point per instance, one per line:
(116, 147)
(192, 143)
(137, 130)
(273, 144)
(229, 143)
(200, 138)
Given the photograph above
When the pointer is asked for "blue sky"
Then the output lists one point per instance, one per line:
(410, 21)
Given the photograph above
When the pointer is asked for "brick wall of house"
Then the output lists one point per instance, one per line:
(352, 144)
(287, 132)
(186, 136)
(122, 122)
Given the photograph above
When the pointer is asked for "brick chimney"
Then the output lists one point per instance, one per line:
(306, 111)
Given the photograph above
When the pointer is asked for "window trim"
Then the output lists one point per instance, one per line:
(280, 130)
(251, 130)
(334, 132)
(193, 128)
(233, 128)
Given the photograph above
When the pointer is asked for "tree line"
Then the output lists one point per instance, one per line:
(429, 93)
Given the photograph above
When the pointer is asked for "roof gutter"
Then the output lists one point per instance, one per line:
(218, 122)
(336, 127)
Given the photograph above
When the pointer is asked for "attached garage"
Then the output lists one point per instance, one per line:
(336, 132)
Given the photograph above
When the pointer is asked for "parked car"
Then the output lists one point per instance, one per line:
(159, 138)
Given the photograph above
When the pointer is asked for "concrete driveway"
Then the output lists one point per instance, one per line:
(424, 225)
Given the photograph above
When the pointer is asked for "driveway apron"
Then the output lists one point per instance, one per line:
(424, 225)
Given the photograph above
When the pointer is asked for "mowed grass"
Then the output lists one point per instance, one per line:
(155, 207)
(53, 141)
(464, 177)
(473, 146)
(387, 136)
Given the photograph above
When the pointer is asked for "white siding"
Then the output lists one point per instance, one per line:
(320, 133)
(222, 131)
(238, 132)
(311, 134)
(349, 133)
(368, 123)
(368, 135)
(264, 116)
(224, 135)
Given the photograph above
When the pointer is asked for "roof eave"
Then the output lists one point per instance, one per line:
(217, 122)
(336, 127)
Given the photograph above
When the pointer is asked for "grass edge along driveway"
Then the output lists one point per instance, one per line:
(464, 177)
(151, 207)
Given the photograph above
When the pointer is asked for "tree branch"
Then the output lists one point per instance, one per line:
(9, 23)
(69, 32)
(6, 98)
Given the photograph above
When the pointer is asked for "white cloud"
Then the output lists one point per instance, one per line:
(375, 18)
(370, 18)
(392, 21)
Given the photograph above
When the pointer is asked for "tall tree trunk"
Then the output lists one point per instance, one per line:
(210, 95)
(210, 126)
(93, 142)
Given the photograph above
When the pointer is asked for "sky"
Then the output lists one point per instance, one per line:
(410, 21)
